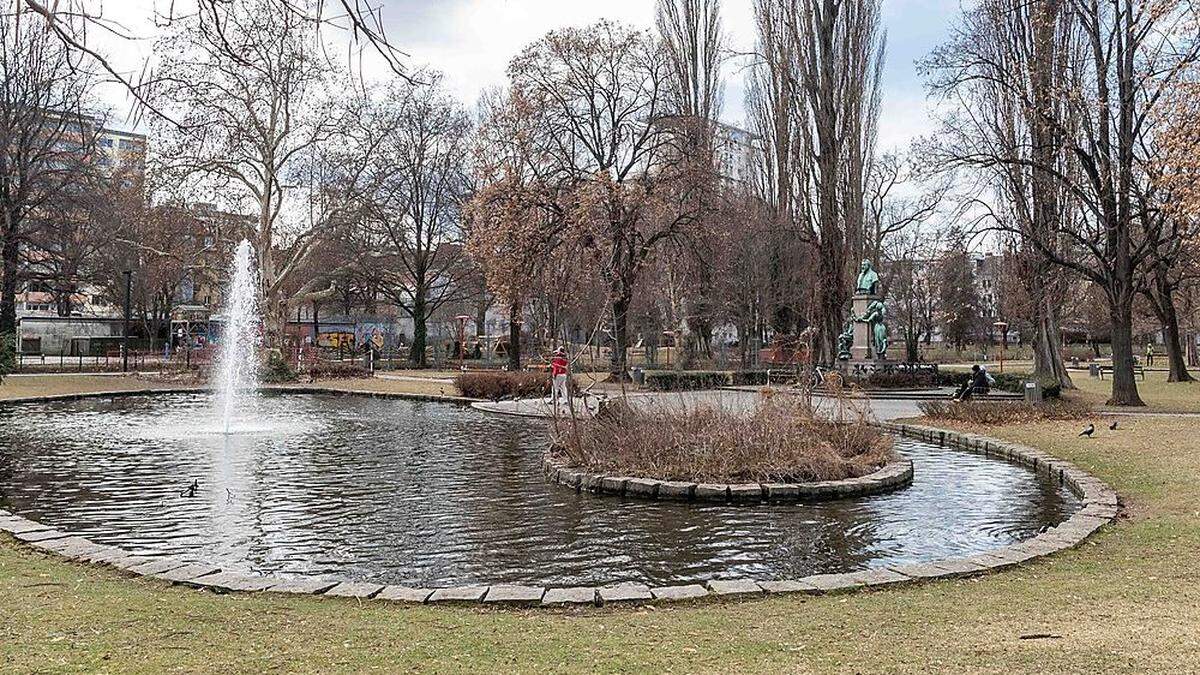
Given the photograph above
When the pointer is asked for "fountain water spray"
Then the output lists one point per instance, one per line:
(237, 370)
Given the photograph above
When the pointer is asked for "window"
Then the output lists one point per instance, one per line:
(104, 142)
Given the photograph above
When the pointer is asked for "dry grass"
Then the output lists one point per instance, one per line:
(779, 441)
(498, 385)
(25, 386)
(14, 388)
(994, 413)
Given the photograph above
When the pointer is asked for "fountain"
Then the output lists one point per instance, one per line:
(433, 494)
(237, 369)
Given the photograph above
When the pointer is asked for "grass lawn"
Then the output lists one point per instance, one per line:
(1128, 600)
(1159, 395)
(49, 385)
(22, 386)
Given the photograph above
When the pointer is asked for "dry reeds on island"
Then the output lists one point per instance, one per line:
(778, 441)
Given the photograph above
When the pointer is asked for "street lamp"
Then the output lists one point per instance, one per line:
(1003, 328)
(125, 332)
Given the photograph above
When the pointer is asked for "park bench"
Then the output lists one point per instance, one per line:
(1138, 371)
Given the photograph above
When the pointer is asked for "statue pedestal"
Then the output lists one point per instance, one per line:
(863, 347)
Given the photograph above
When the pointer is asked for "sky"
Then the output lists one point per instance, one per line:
(471, 42)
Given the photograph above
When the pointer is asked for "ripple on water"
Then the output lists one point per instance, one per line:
(436, 494)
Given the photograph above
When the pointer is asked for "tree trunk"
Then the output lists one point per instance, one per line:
(1163, 302)
(685, 341)
(514, 337)
(1175, 359)
(831, 313)
(8, 284)
(416, 355)
(620, 318)
(1124, 386)
(1048, 363)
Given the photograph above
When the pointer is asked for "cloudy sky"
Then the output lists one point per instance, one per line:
(471, 41)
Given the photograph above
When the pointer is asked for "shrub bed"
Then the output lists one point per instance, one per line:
(336, 370)
(690, 380)
(1004, 382)
(991, 413)
(503, 385)
(902, 380)
(780, 441)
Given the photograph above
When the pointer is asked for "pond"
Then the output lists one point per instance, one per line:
(435, 494)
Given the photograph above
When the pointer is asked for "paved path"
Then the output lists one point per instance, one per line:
(881, 410)
(414, 378)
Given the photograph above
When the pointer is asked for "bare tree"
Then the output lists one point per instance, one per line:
(818, 102)
(47, 132)
(771, 91)
(172, 245)
(909, 258)
(1088, 79)
(599, 95)
(693, 42)
(251, 94)
(1019, 54)
(515, 220)
(418, 187)
(897, 200)
(72, 25)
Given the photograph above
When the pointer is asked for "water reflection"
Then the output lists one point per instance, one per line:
(434, 494)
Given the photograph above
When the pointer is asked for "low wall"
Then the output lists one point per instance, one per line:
(896, 474)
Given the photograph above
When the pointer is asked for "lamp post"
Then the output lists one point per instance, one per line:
(1003, 328)
(125, 331)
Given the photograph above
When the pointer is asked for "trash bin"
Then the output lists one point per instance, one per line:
(639, 376)
(1093, 370)
(1033, 392)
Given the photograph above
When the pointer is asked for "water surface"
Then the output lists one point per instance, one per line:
(435, 494)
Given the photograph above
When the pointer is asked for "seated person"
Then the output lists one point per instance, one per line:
(977, 384)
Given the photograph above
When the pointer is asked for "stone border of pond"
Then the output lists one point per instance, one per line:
(894, 475)
(1100, 506)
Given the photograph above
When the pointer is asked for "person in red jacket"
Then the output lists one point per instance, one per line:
(559, 371)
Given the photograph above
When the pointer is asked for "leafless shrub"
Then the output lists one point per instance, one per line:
(503, 385)
(995, 413)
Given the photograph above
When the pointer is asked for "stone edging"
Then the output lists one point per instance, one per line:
(892, 476)
(1100, 506)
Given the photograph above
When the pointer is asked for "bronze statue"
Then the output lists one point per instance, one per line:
(845, 340)
(868, 280)
(875, 318)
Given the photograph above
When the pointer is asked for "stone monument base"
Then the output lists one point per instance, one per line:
(862, 351)
(855, 369)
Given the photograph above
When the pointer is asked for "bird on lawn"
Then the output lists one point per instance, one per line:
(1091, 429)
(1113, 426)
(191, 489)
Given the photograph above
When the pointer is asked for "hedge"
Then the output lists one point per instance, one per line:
(1004, 382)
(689, 380)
